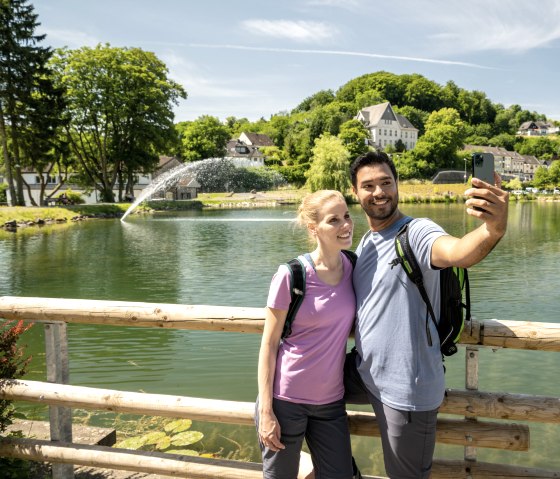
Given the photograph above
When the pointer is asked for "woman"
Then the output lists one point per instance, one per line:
(301, 377)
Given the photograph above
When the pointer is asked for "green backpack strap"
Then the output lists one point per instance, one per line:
(405, 257)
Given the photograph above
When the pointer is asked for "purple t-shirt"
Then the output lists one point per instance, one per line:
(310, 362)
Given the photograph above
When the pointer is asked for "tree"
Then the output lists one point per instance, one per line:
(445, 134)
(204, 138)
(329, 165)
(119, 105)
(554, 173)
(423, 94)
(354, 135)
(321, 98)
(542, 178)
(44, 144)
(21, 60)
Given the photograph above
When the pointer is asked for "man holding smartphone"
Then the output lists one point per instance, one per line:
(395, 369)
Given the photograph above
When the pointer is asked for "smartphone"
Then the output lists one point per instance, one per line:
(483, 167)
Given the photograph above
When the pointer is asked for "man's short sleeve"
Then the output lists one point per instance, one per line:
(422, 234)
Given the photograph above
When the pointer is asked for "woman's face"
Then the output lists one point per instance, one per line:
(334, 226)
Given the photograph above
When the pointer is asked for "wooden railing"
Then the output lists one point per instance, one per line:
(472, 430)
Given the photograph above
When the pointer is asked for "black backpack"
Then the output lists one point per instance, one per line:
(297, 288)
(452, 282)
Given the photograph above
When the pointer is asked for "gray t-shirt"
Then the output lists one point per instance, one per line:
(397, 364)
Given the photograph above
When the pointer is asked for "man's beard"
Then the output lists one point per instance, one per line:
(370, 210)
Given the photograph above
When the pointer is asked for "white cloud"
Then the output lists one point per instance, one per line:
(299, 30)
(479, 25)
(351, 5)
(198, 83)
(68, 38)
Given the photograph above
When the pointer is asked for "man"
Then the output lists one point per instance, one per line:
(395, 368)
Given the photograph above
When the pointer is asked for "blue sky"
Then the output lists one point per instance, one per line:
(249, 58)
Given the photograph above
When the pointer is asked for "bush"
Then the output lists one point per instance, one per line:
(12, 366)
(3, 197)
(72, 198)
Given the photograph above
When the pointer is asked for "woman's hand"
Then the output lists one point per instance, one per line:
(269, 431)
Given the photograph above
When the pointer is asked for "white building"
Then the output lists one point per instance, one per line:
(387, 127)
(32, 178)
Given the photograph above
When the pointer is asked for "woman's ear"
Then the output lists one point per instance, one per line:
(312, 228)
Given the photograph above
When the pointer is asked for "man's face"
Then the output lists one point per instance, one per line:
(377, 191)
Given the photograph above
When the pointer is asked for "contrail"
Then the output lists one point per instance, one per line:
(342, 53)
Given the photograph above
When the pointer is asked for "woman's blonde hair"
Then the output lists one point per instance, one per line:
(310, 208)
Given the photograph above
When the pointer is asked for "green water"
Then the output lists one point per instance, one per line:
(227, 257)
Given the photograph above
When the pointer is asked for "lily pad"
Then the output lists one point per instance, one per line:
(186, 438)
(153, 437)
(179, 425)
(182, 452)
(163, 443)
(131, 443)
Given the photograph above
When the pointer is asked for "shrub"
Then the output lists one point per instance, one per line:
(12, 364)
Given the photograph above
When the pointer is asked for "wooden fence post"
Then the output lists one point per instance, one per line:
(58, 371)
(471, 384)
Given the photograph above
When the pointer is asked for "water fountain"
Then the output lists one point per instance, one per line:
(172, 177)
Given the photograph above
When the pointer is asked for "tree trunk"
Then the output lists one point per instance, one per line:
(7, 159)
(17, 166)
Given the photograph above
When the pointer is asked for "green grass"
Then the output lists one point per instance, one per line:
(62, 213)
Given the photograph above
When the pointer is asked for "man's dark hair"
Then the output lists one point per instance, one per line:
(371, 158)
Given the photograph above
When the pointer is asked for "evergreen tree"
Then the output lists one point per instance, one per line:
(21, 60)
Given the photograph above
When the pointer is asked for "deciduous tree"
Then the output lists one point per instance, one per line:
(119, 105)
(204, 138)
(329, 165)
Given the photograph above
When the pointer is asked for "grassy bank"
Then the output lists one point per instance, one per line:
(31, 214)
(410, 192)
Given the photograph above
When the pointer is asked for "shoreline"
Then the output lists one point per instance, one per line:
(15, 218)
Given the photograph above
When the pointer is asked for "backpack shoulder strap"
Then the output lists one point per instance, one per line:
(297, 292)
(351, 256)
(407, 259)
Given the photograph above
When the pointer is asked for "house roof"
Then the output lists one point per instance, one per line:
(165, 163)
(495, 150)
(257, 139)
(449, 176)
(189, 182)
(531, 160)
(372, 115)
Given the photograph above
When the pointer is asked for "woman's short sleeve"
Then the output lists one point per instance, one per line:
(279, 296)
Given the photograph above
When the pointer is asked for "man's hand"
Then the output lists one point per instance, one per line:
(493, 203)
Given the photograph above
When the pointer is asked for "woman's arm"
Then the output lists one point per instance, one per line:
(269, 429)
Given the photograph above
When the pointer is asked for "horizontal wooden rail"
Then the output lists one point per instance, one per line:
(513, 437)
(124, 459)
(513, 407)
(205, 468)
(494, 333)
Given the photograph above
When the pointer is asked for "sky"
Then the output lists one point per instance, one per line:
(253, 59)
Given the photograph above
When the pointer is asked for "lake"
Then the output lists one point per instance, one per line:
(227, 257)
